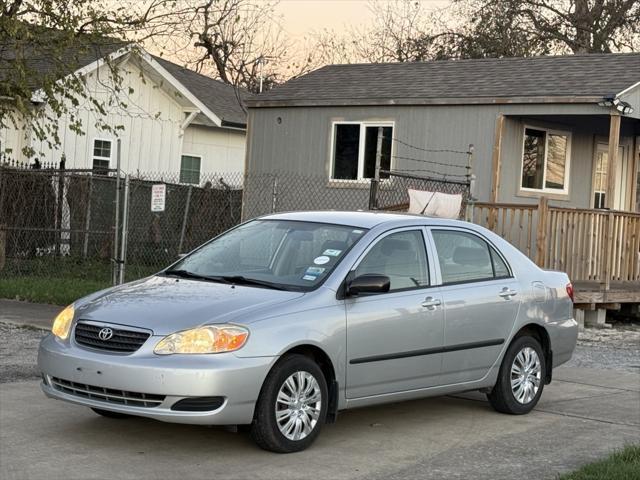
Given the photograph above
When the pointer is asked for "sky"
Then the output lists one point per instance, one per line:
(301, 17)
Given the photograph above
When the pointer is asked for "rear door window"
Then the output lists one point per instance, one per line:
(465, 257)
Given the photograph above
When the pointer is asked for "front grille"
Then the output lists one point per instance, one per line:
(123, 340)
(107, 395)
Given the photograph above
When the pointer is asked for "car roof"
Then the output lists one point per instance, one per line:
(361, 219)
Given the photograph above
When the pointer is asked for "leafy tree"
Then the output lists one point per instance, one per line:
(42, 45)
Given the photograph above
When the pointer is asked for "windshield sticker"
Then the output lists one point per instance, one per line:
(321, 260)
(332, 253)
(357, 232)
(309, 277)
(315, 271)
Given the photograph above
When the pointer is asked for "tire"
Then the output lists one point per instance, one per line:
(294, 373)
(110, 414)
(524, 396)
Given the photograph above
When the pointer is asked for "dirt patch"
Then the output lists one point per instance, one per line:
(19, 352)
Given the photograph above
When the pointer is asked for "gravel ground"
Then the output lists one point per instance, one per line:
(18, 352)
(617, 348)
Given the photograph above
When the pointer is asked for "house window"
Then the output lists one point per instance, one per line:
(600, 179)
(101, 156)
(354, 150)
(190, 169)
(545, 160)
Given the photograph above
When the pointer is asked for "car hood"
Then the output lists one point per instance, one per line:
(166, 305)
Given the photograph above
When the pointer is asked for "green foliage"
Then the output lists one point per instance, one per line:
(62, 280)
(42, 45)
(621, 465)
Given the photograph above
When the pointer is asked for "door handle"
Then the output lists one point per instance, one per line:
(507, 293)
(431, 303)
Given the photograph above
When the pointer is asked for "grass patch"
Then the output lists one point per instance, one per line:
(621, 465)
(58, 291)
(61, 281)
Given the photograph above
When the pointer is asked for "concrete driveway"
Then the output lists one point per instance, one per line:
(583, 415)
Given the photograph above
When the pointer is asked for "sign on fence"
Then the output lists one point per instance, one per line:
(158, 197)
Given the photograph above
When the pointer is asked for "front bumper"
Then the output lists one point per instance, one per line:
(175, 377)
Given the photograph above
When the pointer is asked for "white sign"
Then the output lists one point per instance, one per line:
(158, 197)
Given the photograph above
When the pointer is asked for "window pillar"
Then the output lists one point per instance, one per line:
(614, 142)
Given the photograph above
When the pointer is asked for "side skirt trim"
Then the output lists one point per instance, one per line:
(428, 351)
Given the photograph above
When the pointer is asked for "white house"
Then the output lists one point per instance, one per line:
(170, 120)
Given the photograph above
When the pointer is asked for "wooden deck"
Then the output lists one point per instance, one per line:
(599, 249)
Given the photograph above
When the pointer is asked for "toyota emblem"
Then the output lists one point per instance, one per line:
(105, 334)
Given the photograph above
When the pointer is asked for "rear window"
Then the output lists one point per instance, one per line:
(465, 257)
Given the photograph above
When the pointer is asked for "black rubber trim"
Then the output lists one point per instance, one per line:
(428, 351)
(198, 404)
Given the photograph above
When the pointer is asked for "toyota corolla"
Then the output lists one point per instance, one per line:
(284, 321)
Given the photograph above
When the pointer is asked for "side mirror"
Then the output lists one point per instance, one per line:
(370, 283)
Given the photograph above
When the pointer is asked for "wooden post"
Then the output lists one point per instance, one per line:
(608, 249)
(497, 148)
(614, 142)
(495, 171)
(541, 234)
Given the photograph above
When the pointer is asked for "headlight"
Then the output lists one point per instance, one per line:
(209, 339)
(62, 323)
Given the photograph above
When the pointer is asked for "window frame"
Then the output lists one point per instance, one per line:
(567, 165)
(182, 155)
(430, 268)
(361, 147)
(98, 157)
(490, 245)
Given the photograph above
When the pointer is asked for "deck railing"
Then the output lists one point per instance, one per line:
(590, 245)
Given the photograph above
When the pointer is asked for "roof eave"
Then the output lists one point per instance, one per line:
(258, 103)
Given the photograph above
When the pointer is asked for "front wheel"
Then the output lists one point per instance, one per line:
(292, 406)
(521, 378)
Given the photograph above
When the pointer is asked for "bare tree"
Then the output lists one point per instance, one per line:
(530, 27)
(241, 42)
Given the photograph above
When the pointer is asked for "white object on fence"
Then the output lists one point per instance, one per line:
(158, 197)
(434, 204)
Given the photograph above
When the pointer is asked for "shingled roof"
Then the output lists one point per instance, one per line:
(220, 98)
(223, 99)
(550, 78)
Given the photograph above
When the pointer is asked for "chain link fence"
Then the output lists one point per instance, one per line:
(392, 193)
(100, 228)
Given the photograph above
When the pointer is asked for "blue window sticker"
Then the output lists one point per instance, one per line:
(315, 271)
(309, 277)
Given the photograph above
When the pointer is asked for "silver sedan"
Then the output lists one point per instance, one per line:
(285, 320)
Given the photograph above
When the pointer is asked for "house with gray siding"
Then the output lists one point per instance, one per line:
(558, 137)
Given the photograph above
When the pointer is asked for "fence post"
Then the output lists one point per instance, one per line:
(3, 234)
(125, 231)
(471, 179)
(274, 195)
(59, 202)
(184, 219)
(87, 220)
(608, 249)
(3, 246)
(541, 234)
(116, 222)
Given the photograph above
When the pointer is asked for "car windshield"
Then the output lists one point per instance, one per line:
(279, 254)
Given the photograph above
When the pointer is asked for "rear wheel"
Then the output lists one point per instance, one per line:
(521, 378)
(292, 406)
(109, 414)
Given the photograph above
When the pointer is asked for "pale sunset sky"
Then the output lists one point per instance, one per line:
(301, 17)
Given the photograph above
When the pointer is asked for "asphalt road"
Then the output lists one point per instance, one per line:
(584, 414)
